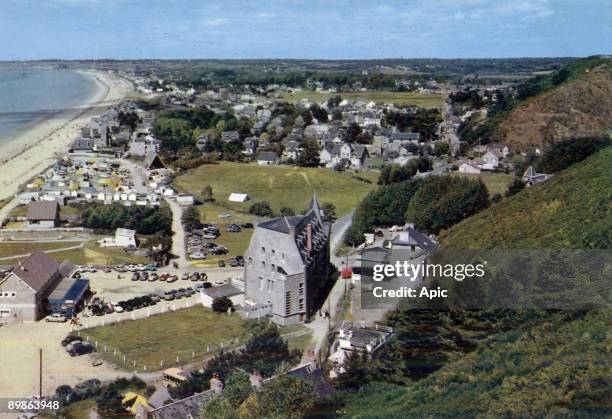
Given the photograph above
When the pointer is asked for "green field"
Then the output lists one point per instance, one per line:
(89, 254)
(281, 186)
(166, 336)
(495, 182)
(424, 100)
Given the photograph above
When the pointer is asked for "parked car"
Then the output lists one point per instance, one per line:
(180, 293)
(153, 277)
(195, 276)
(169, 295)
(69, 339)
(246, 225)
(171, 279)
(189, 291)
(135, 276)
(80, 348)
(185, 276)
(234, 263)
(221, 264)
(225, 215)
(144, 276)
(198, 255)
(56, 318)
(233, 228)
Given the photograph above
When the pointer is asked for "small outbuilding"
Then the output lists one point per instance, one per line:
(43, 214)
(238, 197)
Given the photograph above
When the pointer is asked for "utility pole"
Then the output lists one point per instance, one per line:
(40, 373)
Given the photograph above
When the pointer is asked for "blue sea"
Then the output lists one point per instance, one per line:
(28, 95)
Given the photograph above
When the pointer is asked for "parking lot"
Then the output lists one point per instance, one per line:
(114, 286)
(19, 343)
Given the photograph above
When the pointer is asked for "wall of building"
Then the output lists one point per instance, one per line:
(23, 307)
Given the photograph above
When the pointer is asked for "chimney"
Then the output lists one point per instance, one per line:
(309, 237)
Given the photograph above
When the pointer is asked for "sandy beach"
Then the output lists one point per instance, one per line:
(31, 151)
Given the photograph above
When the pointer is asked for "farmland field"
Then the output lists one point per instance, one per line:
(280, 186)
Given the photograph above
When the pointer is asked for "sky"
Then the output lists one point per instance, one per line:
(310, 29)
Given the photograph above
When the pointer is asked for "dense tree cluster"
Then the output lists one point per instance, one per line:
(432, 204)
(563, 154)
(394, 173)
(442, 201)
(145, 220)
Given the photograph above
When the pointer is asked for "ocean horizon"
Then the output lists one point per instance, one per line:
(28, 95)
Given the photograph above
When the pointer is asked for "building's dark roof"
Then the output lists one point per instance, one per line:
(37, 270)
(282, 224)
(220, 291)
(160, 397)
(267, 156)
(314, 377)
(153, 161)
(69, 289)
(42, 210)
(189, 407)
(413, 237)
(83, 144)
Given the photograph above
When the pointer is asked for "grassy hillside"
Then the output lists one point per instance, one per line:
(506, 363)
(571, 210)
(556, 368)
(573, 102)
(281, 186)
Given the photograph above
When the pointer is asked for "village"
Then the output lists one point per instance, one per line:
(116, 232)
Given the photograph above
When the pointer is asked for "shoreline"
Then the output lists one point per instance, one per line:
(33, 149)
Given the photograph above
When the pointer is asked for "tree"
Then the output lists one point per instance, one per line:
(283, 397)
(516, 186)
(261, 208)
(222, 305)
(319, 113)
(309, 157)
(207, 194)
(443, 201)
(352, 132)
(329, 211)
(287, 212)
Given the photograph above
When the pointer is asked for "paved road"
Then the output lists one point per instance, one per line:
(6, 210)
(320, 325)
(178, 239)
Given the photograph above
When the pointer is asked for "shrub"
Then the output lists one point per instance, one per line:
(261, 208)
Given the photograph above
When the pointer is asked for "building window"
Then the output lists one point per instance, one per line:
(263, 265)
(272, 268)
(261, 283)
(250, 260)
(282, 256)
(263, 250)
(288, 303)
(273, 251)
(301, 304)
(301, 288)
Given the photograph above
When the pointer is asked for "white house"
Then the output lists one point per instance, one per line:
(185, 199)
(238, 197)
(469, 168)
(125, 237)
